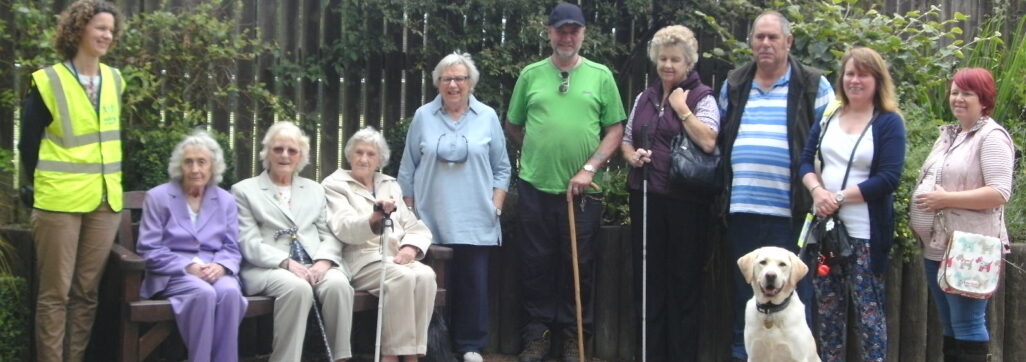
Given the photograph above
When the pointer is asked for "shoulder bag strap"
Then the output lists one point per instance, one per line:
(851, 158)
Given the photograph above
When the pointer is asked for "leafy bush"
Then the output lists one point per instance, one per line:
(147, 166)
(14, 319)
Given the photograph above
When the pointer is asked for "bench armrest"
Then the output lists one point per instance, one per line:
(438, 253)
(126, 260)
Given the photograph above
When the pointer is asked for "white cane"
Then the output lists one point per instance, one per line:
(386, 225)
(644, 251)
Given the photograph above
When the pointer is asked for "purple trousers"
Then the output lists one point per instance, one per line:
(208, 316)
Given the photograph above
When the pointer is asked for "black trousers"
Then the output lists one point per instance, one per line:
(677, 252)
(545, 260)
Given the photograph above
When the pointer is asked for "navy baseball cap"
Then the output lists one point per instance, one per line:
(566, 13)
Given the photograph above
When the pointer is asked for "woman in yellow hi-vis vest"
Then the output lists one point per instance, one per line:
(71, 149)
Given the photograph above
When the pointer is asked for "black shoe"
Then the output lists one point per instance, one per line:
(570, 351)
(950, 349)
(535, 349)
(972, 351)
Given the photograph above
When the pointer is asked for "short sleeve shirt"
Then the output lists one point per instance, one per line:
(562, 129)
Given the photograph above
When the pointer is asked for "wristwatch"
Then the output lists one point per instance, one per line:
(498, 212)
(839, 197)
(588, 167)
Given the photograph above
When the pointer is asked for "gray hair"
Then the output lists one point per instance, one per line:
(453, 60)
(198, 138)
(286, 130)
(372, 136)
(785, 25)
(675, 35)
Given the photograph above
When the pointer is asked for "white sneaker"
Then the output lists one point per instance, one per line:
(472, 357)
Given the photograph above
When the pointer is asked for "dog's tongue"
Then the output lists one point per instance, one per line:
(770, 291)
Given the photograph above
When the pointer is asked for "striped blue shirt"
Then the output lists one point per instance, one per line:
(761, 160)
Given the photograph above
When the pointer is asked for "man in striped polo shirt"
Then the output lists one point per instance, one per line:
(767, 107)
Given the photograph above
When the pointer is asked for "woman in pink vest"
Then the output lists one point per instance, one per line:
(963, 185)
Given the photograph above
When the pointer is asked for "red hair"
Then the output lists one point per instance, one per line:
(979, 81)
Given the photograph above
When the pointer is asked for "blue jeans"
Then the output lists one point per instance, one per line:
(747, 232)
(964, 318)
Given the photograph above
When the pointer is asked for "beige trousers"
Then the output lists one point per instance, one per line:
(409, 302)
(293, 298)
(71, 251)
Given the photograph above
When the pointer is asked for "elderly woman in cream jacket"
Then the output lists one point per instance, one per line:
(358, 202)
(276, 207)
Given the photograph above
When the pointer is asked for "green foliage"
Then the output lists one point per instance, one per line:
(147, 166)
(617, 198)
(181, 65)
(396, 138)
(14, 319)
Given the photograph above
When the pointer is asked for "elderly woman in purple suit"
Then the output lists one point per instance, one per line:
(189, 237)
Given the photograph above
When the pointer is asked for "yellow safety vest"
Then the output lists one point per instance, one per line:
(80, 153)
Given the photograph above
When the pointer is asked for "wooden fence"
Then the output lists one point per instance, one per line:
(381, 89)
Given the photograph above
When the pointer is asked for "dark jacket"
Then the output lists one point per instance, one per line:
(801, 113)
(661, 128)
(878, 189)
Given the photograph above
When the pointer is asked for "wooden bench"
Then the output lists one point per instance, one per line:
(143, 324)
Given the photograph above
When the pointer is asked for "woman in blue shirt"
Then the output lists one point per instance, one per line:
(454, 174)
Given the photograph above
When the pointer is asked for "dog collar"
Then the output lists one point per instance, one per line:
(770, 308)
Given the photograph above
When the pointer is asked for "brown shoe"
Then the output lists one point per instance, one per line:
(536, 349)
(570, 351)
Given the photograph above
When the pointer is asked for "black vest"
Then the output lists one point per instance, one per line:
(801, 112)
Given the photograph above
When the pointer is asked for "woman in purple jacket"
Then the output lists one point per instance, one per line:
(677, 216)
(189, 237)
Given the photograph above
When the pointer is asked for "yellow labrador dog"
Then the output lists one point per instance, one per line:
(775, 329)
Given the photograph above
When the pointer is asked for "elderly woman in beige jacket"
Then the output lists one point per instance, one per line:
(275, 207)
(358, 202)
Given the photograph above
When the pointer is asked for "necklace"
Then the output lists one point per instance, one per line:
(89, 84)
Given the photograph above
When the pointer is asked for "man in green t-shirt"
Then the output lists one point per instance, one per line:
(567, 113)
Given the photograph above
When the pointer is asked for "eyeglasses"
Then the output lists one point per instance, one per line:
(280, 149)
(564, 86)
(452, 148)
(458, 80)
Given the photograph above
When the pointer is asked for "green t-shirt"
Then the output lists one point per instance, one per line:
(562, 130)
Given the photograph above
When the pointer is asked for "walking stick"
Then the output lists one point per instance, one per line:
(299, 254)
(386, 225)
(577, 273)
(644, 250)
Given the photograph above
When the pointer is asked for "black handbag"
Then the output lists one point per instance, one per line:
(691, 167)
(835, 243)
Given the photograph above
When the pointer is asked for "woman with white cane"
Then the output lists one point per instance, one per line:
(671, 236)
(288, 251)
(360, 201)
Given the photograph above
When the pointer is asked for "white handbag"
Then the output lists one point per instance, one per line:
(971, 266)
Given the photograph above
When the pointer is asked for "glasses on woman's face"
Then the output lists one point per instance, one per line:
(452, 148)
(564, 85)
(458, 79)
(281, 149)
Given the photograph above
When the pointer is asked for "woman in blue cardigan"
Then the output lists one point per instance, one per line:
(864, 203)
